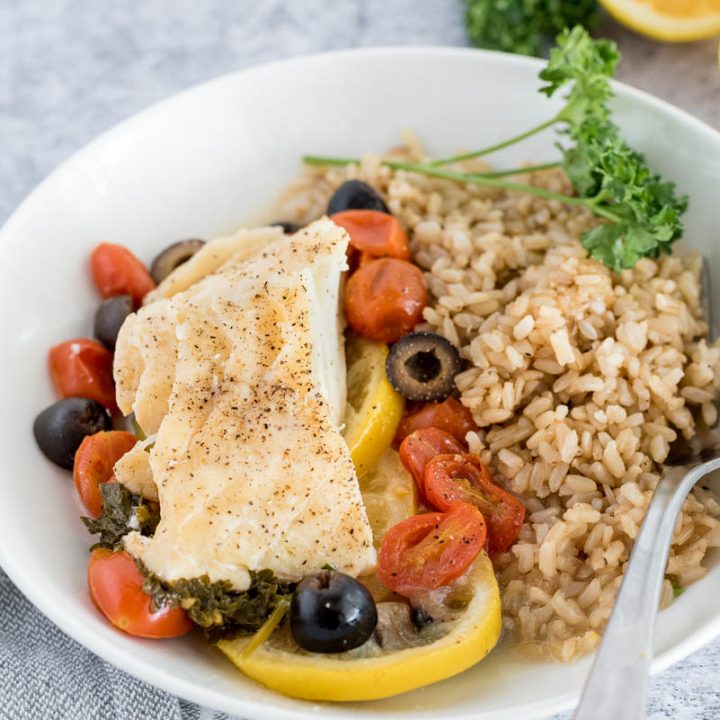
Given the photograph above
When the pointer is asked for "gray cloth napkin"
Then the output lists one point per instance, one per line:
(45, 675)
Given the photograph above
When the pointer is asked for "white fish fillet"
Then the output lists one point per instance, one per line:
(134, 472)
(250, 466)
(145, 358)
(233, 248)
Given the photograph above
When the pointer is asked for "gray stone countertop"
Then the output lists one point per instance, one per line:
(69, 69)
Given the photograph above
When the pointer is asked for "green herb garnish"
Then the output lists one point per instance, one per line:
(524, 26)
(641, 211)
(122, 512)
(216, 606)
(269, 626)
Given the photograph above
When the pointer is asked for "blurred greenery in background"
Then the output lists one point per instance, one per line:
(669, 49)
(527, 27)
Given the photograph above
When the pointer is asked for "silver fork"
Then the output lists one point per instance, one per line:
(616, 688)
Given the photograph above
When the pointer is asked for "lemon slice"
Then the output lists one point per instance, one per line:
(374, 408)
(669, 20)
(389, 494)
(404, 662)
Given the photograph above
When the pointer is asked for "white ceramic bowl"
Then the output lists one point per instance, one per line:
(216, 157)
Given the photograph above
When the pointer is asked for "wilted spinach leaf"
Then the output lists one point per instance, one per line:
(122, 512)
(216, 606)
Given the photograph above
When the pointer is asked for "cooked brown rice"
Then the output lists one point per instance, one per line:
(578, 379)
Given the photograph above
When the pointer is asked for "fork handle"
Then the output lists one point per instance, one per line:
(617, 685)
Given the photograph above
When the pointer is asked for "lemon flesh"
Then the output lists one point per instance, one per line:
(374, 408)
(668, 20)
(389, 494)
(345, 677)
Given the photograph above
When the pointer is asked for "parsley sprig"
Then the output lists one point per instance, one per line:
(641, 212)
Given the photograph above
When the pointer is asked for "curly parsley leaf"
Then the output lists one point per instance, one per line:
(587, 66)
(642, 212)
(526, 27)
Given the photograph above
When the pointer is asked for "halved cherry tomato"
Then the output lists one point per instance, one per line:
(428, 551)
(115, 586)
(365, 258)
(116, 271)
(375, 233)
(420, 447)
(450, 415)
(94, 462)
(83, 368)
(384, 299)
(462, 477)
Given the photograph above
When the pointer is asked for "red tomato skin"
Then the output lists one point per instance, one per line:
(374, 233)
(503, 512)
(83, 368)
(421, 446)
(94, 462)
(115, 587)
(116, 271)
(450, 415)
(384, 299)
(428, 551)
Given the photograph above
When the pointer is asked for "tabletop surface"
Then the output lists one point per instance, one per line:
(70, 69)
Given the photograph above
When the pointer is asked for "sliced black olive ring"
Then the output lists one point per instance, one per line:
(422, 367)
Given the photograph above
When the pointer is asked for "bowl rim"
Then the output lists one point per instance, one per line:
(29, 585)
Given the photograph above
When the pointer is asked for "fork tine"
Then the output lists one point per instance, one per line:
(706, 300)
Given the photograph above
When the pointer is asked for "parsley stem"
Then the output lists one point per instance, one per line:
(610, 179)
(603, 211)
(498, 146)
(493, 180)
(266, 630)
(341, 162)
(487, 181)
(329, 161)
(521, 170)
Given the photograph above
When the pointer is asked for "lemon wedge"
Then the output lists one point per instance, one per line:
(374, 408)
(437, 651)
(669, 20)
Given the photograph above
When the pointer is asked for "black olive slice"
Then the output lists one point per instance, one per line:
(60, 428)
(356, 195)
(332, 612)
(422, 367)
(172, 257)
(109, 318)
(289, 228)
